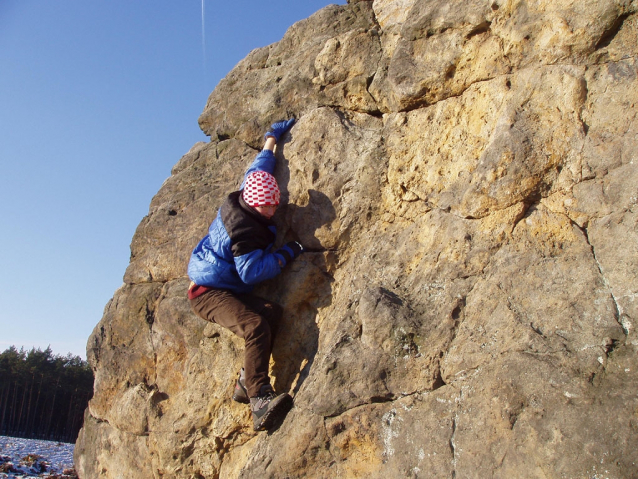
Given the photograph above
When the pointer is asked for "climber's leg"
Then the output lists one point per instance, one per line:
(249, 317)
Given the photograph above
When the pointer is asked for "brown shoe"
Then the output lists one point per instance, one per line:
(268, 408)
(240, 394)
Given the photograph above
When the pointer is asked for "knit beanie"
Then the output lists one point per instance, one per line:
(261, 189)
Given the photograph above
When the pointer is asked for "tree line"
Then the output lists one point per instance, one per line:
(42, 395)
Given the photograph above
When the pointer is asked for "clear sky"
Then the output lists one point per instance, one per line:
(98, 100)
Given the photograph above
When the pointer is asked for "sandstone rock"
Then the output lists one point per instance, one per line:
(463, 176)
(279, 80)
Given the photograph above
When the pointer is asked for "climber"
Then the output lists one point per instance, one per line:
(224, 266)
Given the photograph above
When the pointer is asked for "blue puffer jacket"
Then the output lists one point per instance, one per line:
(235, 254)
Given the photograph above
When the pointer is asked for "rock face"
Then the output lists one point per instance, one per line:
(464, 175)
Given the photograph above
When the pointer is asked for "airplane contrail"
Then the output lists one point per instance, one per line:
(203, 37)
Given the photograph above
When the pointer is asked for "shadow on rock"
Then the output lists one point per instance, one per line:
(304, 287)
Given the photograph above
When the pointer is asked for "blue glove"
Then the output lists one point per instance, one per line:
(289, 251)
(279, 128)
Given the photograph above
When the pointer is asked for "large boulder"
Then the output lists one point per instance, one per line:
(463, 175)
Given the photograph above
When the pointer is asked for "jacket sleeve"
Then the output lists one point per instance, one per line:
(264, 161)
(257, 266)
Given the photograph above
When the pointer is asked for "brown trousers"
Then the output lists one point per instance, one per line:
(249, 317)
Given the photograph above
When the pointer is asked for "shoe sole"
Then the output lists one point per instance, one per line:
(277, 412)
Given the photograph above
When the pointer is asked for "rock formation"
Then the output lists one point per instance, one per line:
(464, 175)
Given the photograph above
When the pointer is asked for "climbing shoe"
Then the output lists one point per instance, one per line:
(240, 394)
(268, 408)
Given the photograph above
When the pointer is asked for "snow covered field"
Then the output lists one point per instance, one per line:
(29, 458)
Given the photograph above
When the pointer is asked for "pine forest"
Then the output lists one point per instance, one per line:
(42, 395)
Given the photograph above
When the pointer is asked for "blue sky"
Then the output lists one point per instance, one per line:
(98, 100)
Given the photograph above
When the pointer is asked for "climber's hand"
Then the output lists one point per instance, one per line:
(279, 128)
(289, 251)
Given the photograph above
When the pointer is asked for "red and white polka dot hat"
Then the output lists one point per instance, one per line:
(261, 189)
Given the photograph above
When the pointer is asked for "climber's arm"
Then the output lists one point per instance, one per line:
(270, 143)
(265, 160)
